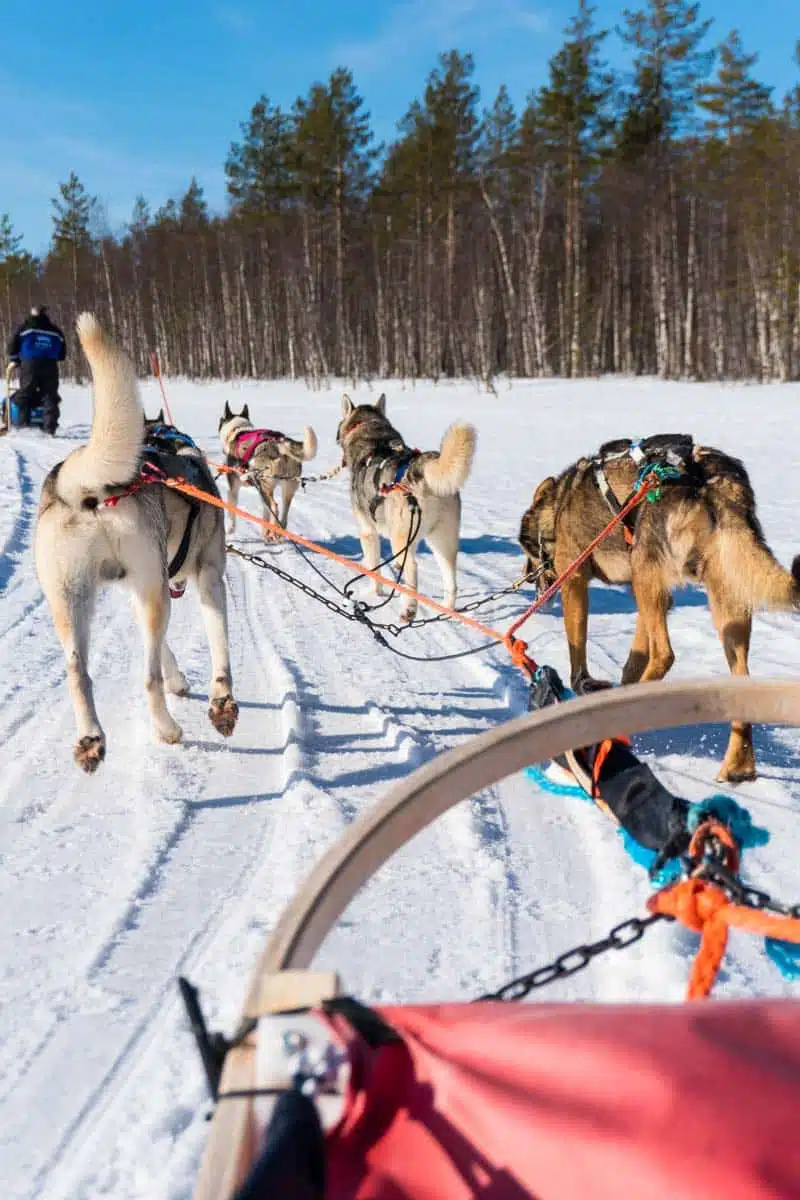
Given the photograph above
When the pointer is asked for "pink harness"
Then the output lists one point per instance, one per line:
(247, 442)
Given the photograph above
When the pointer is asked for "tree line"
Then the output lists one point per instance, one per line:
(638, 222)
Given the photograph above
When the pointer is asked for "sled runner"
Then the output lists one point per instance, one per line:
(319, 1096)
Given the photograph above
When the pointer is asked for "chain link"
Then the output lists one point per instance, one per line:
(741, 893)
(331, 605)
(572, 961)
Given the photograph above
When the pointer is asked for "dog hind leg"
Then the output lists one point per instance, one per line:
(371, 548)
(406, 558)
(223, 710)
(71, 608)
(444, 548)
(653, 604)
(269, 509)
(734, 623)
(151, 601)
(288, 492)
(174, 680)
(234, 484)
(639, 653)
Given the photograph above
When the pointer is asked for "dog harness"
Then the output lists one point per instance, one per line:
(669, 452)
(402, 462)
(166, 439)
(160, 455)
(247, 442)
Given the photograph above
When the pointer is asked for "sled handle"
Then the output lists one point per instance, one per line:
(484, 760)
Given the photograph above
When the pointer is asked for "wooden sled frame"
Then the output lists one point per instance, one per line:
(281, 979)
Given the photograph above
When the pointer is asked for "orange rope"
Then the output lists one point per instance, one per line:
(157, 373)
(631, 504)
(704, 908)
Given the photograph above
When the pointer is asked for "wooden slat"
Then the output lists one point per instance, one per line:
(229, 1150)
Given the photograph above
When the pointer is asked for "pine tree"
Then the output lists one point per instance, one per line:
(141, 219)
(734, 101)
(332, 154)
(435, 165)
(669, 64)
(792, 101)
(259, 168)
(573, 122)
(73, 211)
(193, 209)
(498, 136)
(10, 242)
(15, 262)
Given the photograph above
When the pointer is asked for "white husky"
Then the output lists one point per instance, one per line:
(82, 543)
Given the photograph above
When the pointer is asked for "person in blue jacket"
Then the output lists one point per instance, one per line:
(37, 346)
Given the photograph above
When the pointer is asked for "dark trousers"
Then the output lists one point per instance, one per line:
(39, 386)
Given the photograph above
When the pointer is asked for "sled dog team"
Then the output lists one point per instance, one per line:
(99, 521)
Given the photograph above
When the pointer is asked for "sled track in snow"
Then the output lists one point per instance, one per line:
(180, 859)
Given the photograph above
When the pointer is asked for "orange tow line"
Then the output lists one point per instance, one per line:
(703, 907)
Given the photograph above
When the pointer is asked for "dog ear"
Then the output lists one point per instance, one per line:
(245, 412)
(227, 414)
(381, 404)
(160, 418)
(544, 491)
(347, 406)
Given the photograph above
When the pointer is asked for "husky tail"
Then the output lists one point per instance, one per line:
(303, 451)
(753, 574)
(446, 474)
(111, 456)
(741, 561)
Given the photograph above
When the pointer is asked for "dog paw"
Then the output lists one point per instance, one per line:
(223, 714)
(177, 685)
(170, 734)
(90, 752)
(587, 684)
(739, 769)
(408, 615)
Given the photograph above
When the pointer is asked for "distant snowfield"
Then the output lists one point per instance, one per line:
(180, 859)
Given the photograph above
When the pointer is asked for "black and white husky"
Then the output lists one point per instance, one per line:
(96, 526)
(385, 473)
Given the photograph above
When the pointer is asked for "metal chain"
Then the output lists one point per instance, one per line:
(620, 937)
(359, 612)
(472, 606)
(741, 893)
(258, 561)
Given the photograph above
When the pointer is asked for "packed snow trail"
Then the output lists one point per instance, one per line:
(179, 859)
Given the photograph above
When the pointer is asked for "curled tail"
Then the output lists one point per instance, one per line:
(447, 474)
(111, 455)
(303, 451)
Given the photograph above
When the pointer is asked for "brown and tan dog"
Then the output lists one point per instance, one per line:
(703, 530)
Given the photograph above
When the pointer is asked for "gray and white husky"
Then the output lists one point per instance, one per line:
(269, 458)
(82, 543)
(385, 472)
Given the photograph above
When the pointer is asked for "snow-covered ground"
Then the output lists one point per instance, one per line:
(179, 859)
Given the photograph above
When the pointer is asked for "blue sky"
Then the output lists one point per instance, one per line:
(139, 97)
